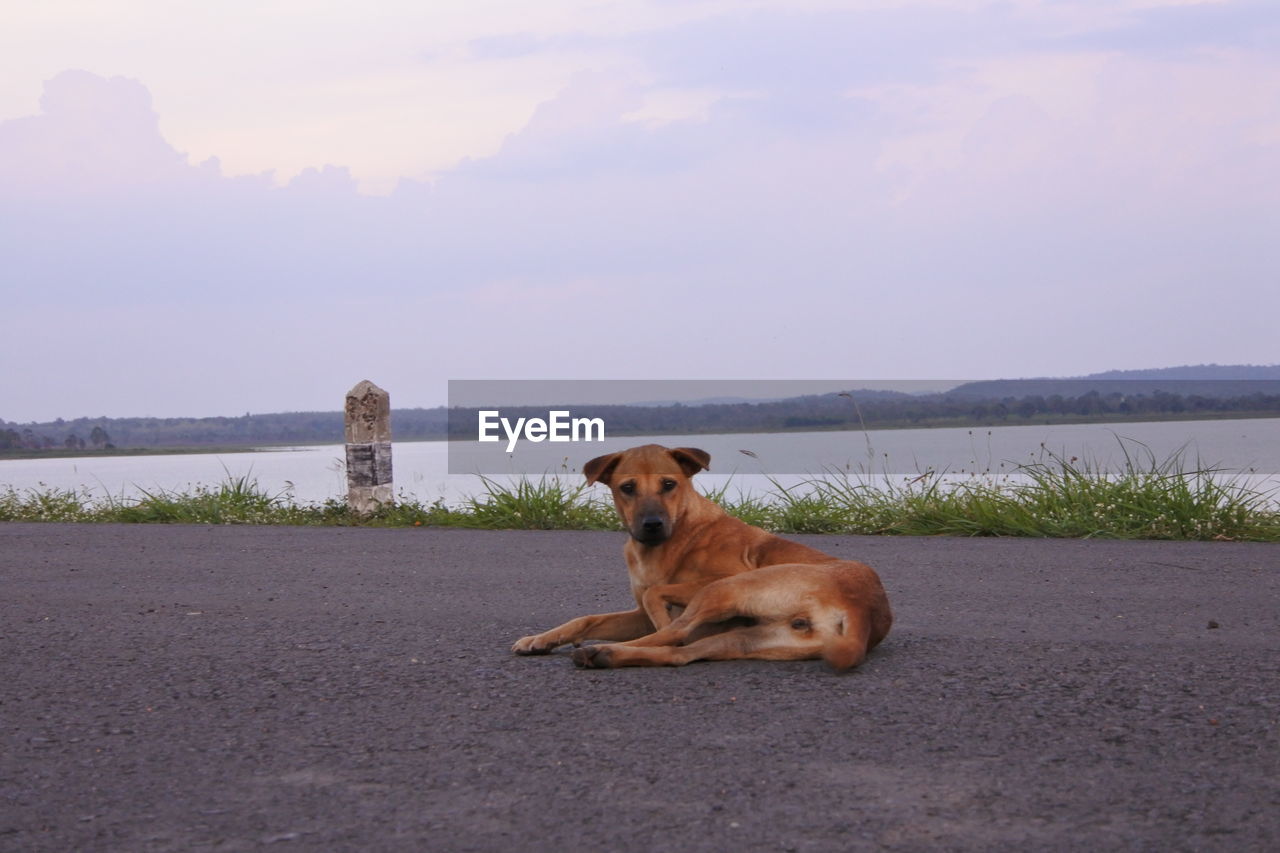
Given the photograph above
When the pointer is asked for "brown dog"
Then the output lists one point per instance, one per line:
(746, 593)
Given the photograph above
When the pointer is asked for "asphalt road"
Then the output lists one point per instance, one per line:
(237, 688)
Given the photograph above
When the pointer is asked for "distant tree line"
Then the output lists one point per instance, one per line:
(878, 409)
(29, 439)
(246, 430)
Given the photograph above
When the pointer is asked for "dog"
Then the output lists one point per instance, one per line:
(736, 590)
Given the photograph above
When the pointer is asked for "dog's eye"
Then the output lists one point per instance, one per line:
(800, 624)
(627, 488)
(668, 485)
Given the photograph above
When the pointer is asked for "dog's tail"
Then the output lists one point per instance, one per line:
(849, 646)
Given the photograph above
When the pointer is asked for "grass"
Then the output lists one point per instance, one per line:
(1054, 498)
(1051, 497)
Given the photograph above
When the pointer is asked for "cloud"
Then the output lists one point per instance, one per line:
(775, 50)
(988, 207)
(1179, 29)
(92, 134)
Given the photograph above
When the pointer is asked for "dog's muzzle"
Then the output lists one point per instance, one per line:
(651, 530)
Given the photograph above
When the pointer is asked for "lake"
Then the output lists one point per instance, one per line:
(1249, 447)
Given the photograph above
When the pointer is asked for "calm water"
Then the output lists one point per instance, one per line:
(1248, 447)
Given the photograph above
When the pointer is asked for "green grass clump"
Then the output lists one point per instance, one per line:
(1052, 497)
(45, 505)
(238, 500)
(545, 504)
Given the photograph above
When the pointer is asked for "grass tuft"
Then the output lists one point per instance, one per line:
(545, 504)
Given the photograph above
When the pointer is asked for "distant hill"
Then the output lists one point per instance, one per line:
(1229, 372)
(1215, 381)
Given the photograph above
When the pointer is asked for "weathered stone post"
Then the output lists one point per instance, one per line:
(368, 430)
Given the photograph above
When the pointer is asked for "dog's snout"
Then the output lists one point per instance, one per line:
(651, 528)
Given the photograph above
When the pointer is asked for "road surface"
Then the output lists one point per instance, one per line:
(239, 688)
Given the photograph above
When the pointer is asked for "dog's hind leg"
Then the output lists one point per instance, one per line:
(847, 648)
(757, 642)
(841, 644)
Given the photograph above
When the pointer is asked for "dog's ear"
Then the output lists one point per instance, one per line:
(691, 459)
(600, 469)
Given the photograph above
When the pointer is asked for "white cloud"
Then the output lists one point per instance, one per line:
(1020, 204)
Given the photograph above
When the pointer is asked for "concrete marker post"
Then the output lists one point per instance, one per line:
(368, 434)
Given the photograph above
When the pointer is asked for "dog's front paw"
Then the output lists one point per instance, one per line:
(592, 657)
(537, 644)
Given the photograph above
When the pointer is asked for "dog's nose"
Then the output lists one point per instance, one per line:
(652, 524)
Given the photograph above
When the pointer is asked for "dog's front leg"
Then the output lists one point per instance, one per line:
(625, 625)
(711, 604)
(657, 600)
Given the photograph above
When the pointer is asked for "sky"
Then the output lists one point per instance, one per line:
(212, 209)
